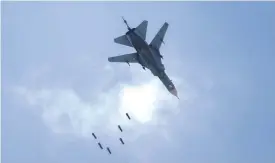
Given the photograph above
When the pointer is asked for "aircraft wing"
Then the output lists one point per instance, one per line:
(131, 58)
(141, 29)
(158, 39)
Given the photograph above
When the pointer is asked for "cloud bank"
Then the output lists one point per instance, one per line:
(64, 111)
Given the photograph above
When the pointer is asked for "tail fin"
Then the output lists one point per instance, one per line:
(158, 39)
(123, 40)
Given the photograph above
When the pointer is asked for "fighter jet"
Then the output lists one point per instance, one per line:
(147, 55)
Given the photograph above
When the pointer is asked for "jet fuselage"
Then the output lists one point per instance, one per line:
(150, 58)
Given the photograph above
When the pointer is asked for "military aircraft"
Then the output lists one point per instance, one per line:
(147, 55)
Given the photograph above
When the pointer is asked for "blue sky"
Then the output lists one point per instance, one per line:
(58, 87)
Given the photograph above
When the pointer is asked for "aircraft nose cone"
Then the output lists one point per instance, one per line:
(174, 92)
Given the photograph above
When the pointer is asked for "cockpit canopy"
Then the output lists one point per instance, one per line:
(130, 31)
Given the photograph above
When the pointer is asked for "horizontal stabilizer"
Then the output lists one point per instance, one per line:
(123, 40)
(141, 29)
(130, 58)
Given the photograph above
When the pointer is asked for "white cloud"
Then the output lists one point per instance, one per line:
(64, 111)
